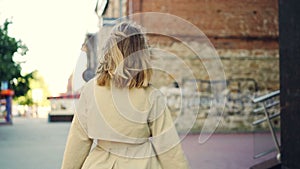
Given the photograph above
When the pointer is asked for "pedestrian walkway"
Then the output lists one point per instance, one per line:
(36, 144)
(32, 144)
(222, 151)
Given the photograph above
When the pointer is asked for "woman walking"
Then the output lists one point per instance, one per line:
(122, 113)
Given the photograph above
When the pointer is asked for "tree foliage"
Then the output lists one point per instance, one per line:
(37, 82)
(10, 70)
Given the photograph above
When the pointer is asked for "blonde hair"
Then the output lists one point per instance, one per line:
(126, 59)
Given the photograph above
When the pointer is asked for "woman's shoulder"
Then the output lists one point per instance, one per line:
(154, 94)
(150, 91)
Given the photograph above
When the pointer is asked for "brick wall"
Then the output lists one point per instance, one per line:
(249, 24)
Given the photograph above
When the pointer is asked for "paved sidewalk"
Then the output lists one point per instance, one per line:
(32, 144)
(37, 144)
(222, 151)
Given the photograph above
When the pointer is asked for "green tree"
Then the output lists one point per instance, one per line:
(37, 82)
(10, 70)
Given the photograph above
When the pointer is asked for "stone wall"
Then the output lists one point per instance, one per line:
(237, 115)
(248, 73)
(261, 65)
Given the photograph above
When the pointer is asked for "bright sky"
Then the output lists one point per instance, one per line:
(53, 30)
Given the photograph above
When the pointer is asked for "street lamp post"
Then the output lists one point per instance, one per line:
(92, 42)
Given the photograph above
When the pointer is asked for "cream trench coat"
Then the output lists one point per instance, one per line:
(133, 129)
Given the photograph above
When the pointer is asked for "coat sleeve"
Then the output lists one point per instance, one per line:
(77, 148)
(165, 139)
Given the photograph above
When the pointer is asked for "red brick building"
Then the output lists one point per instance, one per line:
(230, 24)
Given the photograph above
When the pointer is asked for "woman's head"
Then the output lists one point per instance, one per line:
(126, 58)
